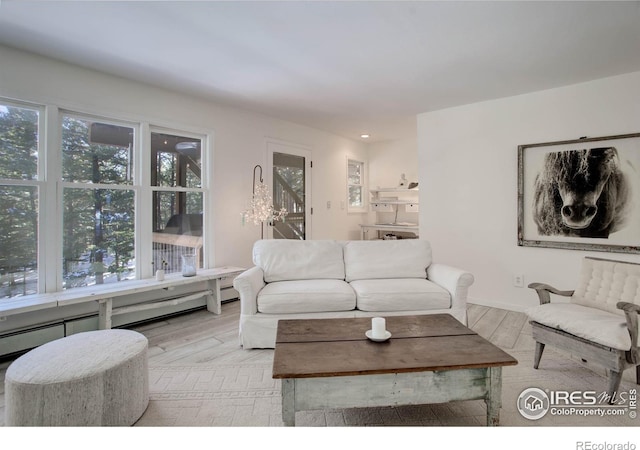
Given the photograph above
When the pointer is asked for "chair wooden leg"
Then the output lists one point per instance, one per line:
(614, 383)
(538, 354)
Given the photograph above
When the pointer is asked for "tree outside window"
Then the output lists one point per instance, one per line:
(94, 199)
(19, 128)
(98, 202)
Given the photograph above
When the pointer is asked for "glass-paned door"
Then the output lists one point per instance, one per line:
(291, 186)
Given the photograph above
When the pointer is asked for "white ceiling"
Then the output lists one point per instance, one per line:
(345, 67)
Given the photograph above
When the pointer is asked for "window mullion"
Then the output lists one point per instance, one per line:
(208, 200)
(115, 187)
(50, 207)
(176, 189)
(144, 203)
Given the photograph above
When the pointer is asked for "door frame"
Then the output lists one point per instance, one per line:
(279, 146)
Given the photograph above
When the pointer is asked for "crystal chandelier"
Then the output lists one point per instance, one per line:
(261, 208)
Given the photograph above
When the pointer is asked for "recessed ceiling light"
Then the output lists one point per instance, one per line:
(364, 136)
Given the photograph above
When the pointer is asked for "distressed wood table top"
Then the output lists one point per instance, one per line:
(308, 348)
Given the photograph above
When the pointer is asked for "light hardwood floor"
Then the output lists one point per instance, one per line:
(201, 337)
(200, 376)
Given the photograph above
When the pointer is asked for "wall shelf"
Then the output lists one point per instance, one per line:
(382, 201)
(377, 199)
(394, 202)
(373, 191)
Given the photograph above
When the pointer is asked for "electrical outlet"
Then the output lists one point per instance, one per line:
(518, 280)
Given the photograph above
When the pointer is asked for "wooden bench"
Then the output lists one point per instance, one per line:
(599, 323)
(105, 295)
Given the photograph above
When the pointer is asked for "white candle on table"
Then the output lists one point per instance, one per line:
(378, 327)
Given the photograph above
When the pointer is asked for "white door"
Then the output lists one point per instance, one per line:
(289, 171)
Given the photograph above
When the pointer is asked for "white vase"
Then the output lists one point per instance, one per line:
(159, 274)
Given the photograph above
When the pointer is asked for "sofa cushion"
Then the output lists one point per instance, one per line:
(404, 258)
(289, 297)
(407, 294)
(604, 283)
(591, 324)
(285, 260)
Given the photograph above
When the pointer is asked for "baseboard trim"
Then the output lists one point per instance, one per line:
(499, 305)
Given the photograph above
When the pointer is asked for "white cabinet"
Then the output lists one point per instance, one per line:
(387, 203)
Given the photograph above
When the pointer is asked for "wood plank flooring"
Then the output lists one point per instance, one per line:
(200, 376)
(200, 337)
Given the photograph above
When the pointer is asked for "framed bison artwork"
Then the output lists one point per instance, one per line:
(582, 194)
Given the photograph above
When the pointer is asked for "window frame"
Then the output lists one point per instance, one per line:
(204, 188)
(39, 183)
(362, 185)
(134, 185)
(50, 188)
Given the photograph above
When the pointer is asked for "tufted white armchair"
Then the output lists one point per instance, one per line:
(599, 323)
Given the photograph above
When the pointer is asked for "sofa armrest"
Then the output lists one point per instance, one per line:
(544, 291)
(631, 312)
(248, 284)
(454, 280)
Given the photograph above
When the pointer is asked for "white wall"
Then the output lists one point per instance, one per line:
(239, 141)
(388, 160)
(468, 178)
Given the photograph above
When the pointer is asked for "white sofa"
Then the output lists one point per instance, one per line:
(327, 279)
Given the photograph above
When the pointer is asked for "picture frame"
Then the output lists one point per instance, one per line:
(580, 194)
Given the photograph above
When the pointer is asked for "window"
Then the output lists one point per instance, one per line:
(355, 186)
(98, 202)
(77, 207)
(19, 189)
(176, 179)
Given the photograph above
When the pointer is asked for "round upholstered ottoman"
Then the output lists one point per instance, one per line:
(97, 378)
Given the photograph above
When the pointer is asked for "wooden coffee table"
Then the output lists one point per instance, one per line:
(330, 363)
